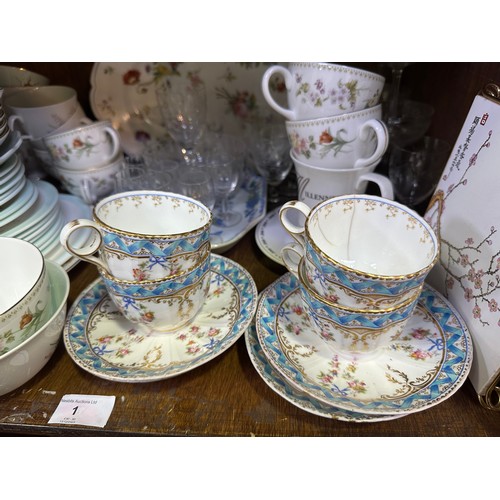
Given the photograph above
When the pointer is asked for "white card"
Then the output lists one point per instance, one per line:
(81, 409)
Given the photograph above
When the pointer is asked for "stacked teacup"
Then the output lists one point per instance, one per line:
(361, 261)
(334, 126)
(153, 255)
(85, 156)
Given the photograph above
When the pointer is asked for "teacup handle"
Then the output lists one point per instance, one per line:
(11, 122)
(291, 255)
(382, 135)
(115, 141)
(383, 182)
(287, 113)
(295, 231)
(86, 252)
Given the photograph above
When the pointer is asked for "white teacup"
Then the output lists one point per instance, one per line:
(85, 147)
(316, 184)
(144, 235)
(351, 140)
(366, 251)
(41, 110)
(318, 90)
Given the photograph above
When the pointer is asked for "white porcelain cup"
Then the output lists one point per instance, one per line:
(38, 111)
(316, 184)
(319, 90)
(144, 235)
(351, 140)
(85, 147)
(366, 251)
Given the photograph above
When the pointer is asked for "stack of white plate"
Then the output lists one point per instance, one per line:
(33, 210)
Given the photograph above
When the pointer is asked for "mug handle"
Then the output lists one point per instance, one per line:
(383, 182)
(115, 141)
(287, 113)
(291, 255)
(11, 122)
(382, 134)
(295, 231)
(85, 252)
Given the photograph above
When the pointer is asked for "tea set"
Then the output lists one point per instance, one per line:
(351, 331)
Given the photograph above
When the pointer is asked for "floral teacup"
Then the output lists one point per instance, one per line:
(318, 90)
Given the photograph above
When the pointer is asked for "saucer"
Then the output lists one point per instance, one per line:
(271, 236)
(298, 398)
(10, 146)
(24, 200)
(250, 201)
(425, 365)
(101, 341)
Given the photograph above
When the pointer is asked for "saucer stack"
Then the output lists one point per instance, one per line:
(31, 209)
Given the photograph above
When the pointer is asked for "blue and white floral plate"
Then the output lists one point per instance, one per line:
(250, 201)
(426, 365)
(298, 398)
(101, 341)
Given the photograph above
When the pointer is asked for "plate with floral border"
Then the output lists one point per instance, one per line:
(101, 341)
(124, 93)
(298, 398)
(425, 365)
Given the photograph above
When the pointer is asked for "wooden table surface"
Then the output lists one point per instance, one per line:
(225, 397)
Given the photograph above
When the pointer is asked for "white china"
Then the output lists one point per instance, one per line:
(14, 79)
(20, 204)
(318, 90)
(427, 364)
(316, 184)
(24, 302)
(298, 398)
(10, 146)
(115, 349)
(40, 110)
(144, 235)
(23, 362)
(351, 140)
(271, 236)
(124, 92)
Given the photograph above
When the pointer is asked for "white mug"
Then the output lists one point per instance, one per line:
(316, 184)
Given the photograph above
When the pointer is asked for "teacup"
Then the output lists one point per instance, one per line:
(316, 184)
(352, 332)
(84, 147)
(351, 140)
(41, 110)
(91, 184)
(163, 305)
(144, 235)
(361, 251)
(25, 294)
(319, 90)
(14, 79)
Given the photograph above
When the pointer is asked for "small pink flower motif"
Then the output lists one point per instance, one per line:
(493, 305)
(194, 329)
(182, 336)
(332, 298)
(104, 340)
(218, 291)
(468, 295)
(449, 283)
(296, 329)
(326, 379)
(469, 241)
(464, 260)
(298, 310)
(122, 352)
(357, 385)
(472, 160)
(213, 331)
(420, 333)
(476, 312)
(419, 354)
(193, 349)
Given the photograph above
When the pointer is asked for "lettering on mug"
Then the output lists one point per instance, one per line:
(314, 196)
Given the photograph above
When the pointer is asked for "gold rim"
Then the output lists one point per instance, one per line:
(318, 297)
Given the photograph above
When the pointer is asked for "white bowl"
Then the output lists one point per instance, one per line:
(23, 362)
(25, 291)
